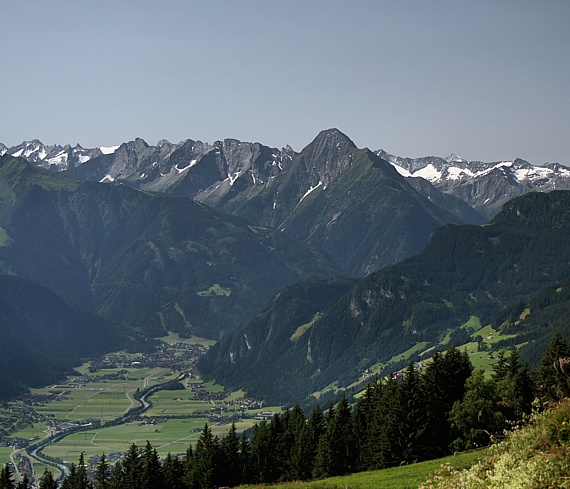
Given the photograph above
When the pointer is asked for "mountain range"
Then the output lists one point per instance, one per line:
(345, 200)
(196, 238)
(484, 186)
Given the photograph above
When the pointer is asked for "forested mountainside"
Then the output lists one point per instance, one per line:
(144, 261)
(43, 337)
(464, 271)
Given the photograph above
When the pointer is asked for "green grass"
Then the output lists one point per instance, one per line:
(304, 327)
(409, 352)
(171, 436)
(5, 455)
(405, 477)
(215, 289)
(193, 340)
(472, 325)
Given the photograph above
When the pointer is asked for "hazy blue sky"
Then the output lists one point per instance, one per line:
(487, 80)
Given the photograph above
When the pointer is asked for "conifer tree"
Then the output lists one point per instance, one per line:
(102, 473)
(151, 469)
(47, 481)
(189, 468)
(555, 369)
(307, 445)
(322, 466)
(129, 476)
(206, 460)
(386, 425)
(364, 416)
(261, 454)
(24, 483)
(444, 384)
(173, 472)
(230, 469)
(413, 422)
(343, 440)
(6, 478)
(245, 459)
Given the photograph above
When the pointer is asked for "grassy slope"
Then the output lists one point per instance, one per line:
(405, 477)
(535, 456)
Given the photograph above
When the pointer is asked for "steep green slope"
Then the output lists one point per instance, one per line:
(270, 335)
(464, 271)
(347, 201)
(534, 321)
(143, 261)
(42, 336)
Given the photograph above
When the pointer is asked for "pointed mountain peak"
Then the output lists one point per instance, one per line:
(333, 137)
(453, 158)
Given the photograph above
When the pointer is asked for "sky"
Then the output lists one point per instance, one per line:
(488, 80)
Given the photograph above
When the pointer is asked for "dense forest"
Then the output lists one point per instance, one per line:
(416, 415)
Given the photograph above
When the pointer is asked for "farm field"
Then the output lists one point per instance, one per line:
(104, 389)
(170, 436)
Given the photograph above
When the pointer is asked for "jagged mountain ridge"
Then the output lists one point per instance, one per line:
(197, 169)
(333, 195)
(484, 186)
(186, 168)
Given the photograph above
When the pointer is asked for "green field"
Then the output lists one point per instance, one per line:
(5, 454)
(170, 436)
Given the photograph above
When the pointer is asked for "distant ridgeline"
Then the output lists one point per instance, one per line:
(464, 271)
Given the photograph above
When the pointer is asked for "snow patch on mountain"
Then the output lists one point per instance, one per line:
(107, 150)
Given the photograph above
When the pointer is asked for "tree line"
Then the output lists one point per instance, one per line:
(418, 415)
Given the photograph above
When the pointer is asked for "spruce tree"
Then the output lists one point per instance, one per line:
(555, 370)
(322, 466)
(308, 442)
(261, 456)
(413, 423)
(151, 469)
(24, 483)
(102, 473)
(444, 381)
(206, 460)
(231, 468)
(47, 481)
(130, 475)
(245, 459)
(173, 471)
(6, 478)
